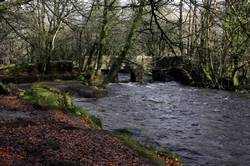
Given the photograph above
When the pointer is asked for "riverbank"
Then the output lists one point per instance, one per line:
(202, 126)
(32, 136)
(39, 137)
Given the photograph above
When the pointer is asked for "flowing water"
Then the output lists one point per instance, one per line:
(204, 127)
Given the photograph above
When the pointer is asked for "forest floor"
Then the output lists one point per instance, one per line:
(48, 137)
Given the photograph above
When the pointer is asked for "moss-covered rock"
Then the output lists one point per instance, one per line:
(46, 97)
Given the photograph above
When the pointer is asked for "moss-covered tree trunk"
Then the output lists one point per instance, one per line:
(103, 35)
(118, 61)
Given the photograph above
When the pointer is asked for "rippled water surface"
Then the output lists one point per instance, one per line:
(205, 127)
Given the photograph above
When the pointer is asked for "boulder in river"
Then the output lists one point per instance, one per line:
(83, 90)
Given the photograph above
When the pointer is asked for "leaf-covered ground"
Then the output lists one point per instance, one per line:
(40, 137)
(30, 137)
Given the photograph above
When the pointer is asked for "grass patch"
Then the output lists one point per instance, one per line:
(45, 97)
(92, 120)
(124, 131)
(148, 152)
(172, 158)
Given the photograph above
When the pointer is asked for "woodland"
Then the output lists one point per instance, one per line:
(62, 101)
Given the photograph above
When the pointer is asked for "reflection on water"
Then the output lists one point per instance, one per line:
(204, 127)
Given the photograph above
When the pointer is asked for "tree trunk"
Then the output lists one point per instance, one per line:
(117, 63)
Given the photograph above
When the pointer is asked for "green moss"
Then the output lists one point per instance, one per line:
(124, 131)
(146, 152)
(42, 96)
(236, 82)
(7, 68)
(2, 9)
(46, 97)
(94, 121)
(170, 155)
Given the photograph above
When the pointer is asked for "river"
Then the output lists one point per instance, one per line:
(205, 127)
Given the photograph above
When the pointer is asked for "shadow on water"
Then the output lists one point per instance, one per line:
(205, 127)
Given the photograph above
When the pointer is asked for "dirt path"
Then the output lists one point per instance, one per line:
(39, 137)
